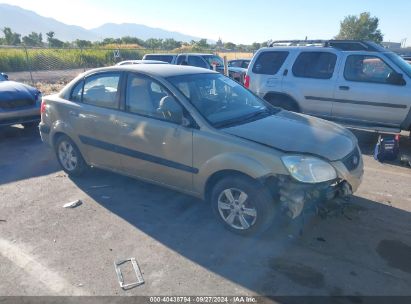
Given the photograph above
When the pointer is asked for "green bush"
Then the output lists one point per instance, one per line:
(15, 59)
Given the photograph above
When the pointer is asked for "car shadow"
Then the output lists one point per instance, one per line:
(280, 260)
(23, 155)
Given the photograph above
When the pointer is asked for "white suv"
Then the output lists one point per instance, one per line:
(357, 83)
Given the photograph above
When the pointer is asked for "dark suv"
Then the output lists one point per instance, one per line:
(206, 61)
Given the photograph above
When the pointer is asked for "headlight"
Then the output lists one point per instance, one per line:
(308, 169)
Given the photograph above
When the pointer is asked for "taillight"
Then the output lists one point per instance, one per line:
(247, 81)
(43, 106)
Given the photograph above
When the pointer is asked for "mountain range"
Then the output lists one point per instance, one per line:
(25, 21)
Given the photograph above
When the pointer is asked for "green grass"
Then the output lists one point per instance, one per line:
(16, 59)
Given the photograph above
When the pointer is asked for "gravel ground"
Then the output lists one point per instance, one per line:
(48, 82)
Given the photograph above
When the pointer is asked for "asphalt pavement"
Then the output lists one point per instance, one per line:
(46, 249)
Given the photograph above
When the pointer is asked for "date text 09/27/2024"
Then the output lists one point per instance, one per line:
(202, 299)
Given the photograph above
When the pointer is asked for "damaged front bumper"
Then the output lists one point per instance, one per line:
(296, 197)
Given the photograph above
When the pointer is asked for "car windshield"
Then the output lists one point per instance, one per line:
(220, 100)
(401, 63)
(212, 59)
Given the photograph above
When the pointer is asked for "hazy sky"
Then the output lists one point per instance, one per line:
(240, 21)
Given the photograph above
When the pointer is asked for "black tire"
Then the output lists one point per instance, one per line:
(258, 198)
(31, 125)
(80, 165)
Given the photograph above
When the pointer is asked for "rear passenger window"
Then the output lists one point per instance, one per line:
(319, 65)
(269, 63)
(101, 90)
(77, 92)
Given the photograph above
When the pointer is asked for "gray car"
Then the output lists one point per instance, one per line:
(19, 103)
(356, 83)
(141, 62)
(203, 134)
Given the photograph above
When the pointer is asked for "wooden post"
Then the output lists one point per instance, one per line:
(29, 65)
(226, 66)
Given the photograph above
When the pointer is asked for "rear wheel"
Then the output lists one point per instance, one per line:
(242, 205)
(69, 156)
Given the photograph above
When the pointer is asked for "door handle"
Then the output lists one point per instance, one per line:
(344, 88)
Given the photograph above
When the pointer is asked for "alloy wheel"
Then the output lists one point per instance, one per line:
(67, 156)
(236, 209)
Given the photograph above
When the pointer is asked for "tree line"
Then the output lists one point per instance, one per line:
(36, 40)
(362, 27)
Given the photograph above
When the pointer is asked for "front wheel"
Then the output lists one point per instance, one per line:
(242, 205)
(69, 156)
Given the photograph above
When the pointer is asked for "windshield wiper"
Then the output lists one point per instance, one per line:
(244, 119)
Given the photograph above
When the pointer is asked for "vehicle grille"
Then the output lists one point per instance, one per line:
(352, 160)
(14, 104)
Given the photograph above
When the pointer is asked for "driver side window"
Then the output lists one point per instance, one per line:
(147, 97)
(364, 68)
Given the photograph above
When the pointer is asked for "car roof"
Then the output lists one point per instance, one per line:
(298, 48)
(313, 48)
(199, 54)
(168, 54)
(141, 62)
(161, 54)
(160, 70)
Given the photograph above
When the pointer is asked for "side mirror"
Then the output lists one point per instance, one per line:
(396, 79)
(5, 76)
(171, 110)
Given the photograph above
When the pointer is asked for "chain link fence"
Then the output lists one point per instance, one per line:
(49, 69)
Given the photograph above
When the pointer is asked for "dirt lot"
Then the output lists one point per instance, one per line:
(48, 82)
(48, 250)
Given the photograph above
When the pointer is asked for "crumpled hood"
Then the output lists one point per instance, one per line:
(298, 133)
(11, 90)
